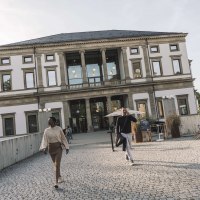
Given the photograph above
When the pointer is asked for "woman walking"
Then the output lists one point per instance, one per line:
(54, 140)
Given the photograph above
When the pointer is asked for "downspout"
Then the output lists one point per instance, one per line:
(151, 76)
(36, 78)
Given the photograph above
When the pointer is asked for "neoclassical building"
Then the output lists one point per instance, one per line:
(81, 77)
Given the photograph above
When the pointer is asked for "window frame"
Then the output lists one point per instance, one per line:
(2, 73)
(8, 115)
(33, 112)
(137, 61)
(157, 101)
(46, 57)
(57, 110)
(180, 64)
(138, 50)
(51, 68)
(171, 50)
(180, 97)
(153, 46)
(28, 70)
(3, 58)
(160, 63)
(27, 56)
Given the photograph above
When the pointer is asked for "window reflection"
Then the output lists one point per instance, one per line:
(29, 80)
(52, 77)
(176, 65)
(156, 68)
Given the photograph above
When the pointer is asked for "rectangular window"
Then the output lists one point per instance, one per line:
(176, 66)
(6, 82)
(174, 47)
(5, 61)
(137, 72)
(56, 114)
(154, 49)
(32, 122)
(29, 76)
(8, 124)
(183, 105)
(50, 57)
(156, 68)
(160, 108)
(134, 50)
(142, 107)
(51, 77)
(27, 59)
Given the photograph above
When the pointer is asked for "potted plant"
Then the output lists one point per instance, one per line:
(173, 123)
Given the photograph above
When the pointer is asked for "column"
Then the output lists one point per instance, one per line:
(88, 115)
(146, 60)
(66, 112)
(125, 62)
(130, 101)
(152, 105)
(109, 108)
(39, 73)
(62, 69)
(85, 81)
(103, 54)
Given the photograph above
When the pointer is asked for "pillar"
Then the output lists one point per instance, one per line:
(146, 61)
(84, 71)
(62, 70)
(103, 54)
(66, 112)
(130, 101)
(109, 108)
(125, 62)
(39, 73)
(88, 115)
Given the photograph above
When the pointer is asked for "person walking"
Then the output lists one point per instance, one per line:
(123, 129)
(54, 141)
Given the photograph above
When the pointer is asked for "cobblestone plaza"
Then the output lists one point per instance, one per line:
(162, 170)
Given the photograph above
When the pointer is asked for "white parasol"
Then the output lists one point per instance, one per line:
(119, 112)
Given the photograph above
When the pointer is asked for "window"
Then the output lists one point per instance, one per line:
(5, 61)
(134, 50)
(160, 108)
(137, 72)
(177, 66)
(29, 80)
(27, 59)
(174, 47)
(8, 124)
(154, 49)
(142, 107)
(56, 114)
(50, 57)
(51, 74)
(32, 122)
(156, 68)
(183, 105)
(6, 82)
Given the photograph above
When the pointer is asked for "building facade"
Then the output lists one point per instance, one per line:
(81, 77)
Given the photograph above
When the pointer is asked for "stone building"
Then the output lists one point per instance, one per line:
(80, 77)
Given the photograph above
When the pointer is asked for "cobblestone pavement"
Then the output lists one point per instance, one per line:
(162, 170)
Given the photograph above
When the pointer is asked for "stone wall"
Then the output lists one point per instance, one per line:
(15, 149)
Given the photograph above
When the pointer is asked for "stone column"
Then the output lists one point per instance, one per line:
(88, 115)
(66, 112)
(109, 108)
(146, 60)
(125, 62)
(130, 101)
(152, 105)
(103, 54)
(84, 71)
(39, 73)
(62, 69)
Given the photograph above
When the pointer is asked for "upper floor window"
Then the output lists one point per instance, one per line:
(5, 61)
(157, 68)
(29, 80)
(174, 47)
(50, 57)
(137, 72)
(183, 105)
(154, 49)
(27, 59)
(6, 82)
(177, 66)
(51, 76)
(134, 50)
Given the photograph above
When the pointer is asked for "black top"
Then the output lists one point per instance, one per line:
(124, 123)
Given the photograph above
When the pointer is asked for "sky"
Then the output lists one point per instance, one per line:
(27, 19)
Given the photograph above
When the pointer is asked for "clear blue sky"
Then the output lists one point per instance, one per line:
(27, 19)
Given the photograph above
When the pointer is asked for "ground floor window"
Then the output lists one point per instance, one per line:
(56, 114)
(32, 122)
(142, 107)
(183, 105)
(160, 108)
(8, 124)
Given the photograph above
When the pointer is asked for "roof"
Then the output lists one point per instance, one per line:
(91, 35)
